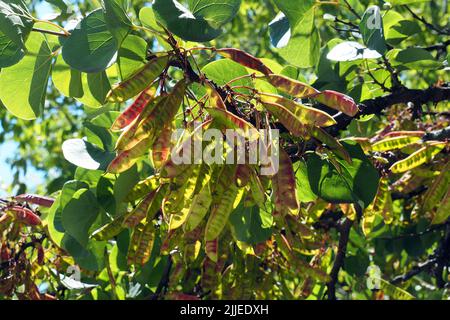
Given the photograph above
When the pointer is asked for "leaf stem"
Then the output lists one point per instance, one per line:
(54, 33)
(66, 33)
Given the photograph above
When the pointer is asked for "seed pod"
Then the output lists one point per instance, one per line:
(382, 204)
(143, 188)
(301, 267)
(162, 146)
(394, 292)
(172, 169)
(140, 212)
(5, 219)
(437, 190)
(178, 206)
(40, 254)
(405, 133)
(138, 81)
(134, 243)
(287, 118)
(134, 110)
(331, 142)
(394, 143)
(298, 227)
(368, 222)
(292, 87)
(419, 157)
(42, 201)
(172, 239)
(443, 211)
(338, 101)
(5, 253)
(230, 121)
(306, 115)
(126, 159)
(244, 59)
(257, 190)
(212, 250)
(25, 216)
(109, 230)
(210, 274)
(127, 139)
(199, 208)
(223, 200)
(145, 244)
(162, 114)
(284, 188)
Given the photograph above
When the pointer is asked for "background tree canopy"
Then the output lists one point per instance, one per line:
(91, 92)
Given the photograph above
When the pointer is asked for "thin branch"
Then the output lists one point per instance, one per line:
(54, 33)
(344, 229)
(440, 46)
(439, 30)
(379, 104)
(349, 7)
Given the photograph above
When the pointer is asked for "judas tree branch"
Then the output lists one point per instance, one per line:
(379, 104)
(344, 229)
(439, 30)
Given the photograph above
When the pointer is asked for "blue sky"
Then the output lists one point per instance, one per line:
(33, 178)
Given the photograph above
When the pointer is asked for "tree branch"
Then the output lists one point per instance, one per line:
(439, 30)
(379, 104)
(344, 230)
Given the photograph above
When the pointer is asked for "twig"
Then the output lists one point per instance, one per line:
(54, 33)
(344, 229)
(431, 26)
(379, 104)
(349, 7)
(164, 280)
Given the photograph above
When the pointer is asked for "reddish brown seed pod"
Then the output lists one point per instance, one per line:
(42, 201)
(245, 59)
(40, 254)
(5, 253)
(26, 216)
